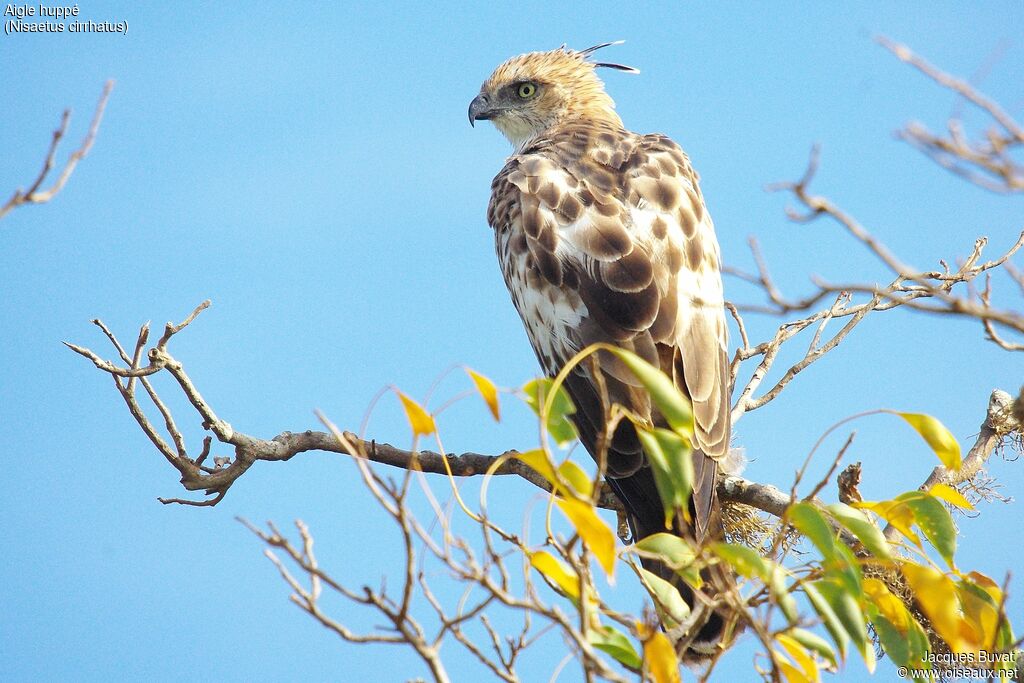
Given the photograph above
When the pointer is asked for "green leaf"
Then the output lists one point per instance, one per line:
(744, 560)
(896, 644)
(669, 603)
(846, 606)
(780, 594)
(837, 560)
(812, 524)
(938, 437)
(558, 424)
(670, 458)
(828, 616)
(614, 642)
(934, 520)
(671, 402)
(676, 553)
(577, 478)
(857, 523)
(844, 567)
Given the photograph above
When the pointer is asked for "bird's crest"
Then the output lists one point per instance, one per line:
(607, 65)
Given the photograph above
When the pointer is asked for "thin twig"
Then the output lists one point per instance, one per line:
(35, 195)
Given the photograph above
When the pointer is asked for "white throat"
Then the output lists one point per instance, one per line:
(517, 131)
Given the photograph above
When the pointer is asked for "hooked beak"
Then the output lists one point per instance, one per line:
(480, 109)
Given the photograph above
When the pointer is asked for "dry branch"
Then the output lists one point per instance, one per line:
(247, 450)
(987, 162)
(35, 195)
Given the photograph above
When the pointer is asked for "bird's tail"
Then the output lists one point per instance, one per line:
(645, 514)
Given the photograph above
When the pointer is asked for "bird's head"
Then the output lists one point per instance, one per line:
(529, 94)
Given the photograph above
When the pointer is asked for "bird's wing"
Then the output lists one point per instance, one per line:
(612, 227)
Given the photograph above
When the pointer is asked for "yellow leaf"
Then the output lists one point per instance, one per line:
(568, 480)
(938, 437)
(487, 391)
(419, 419)
(950, 495)
(936, 594)
(896, 513)
(800, 655)
(596, 535)
(979, 615)
(539, 461)
(987, 584)
(790, 672)
(659, 656)
(557, 571)
(888, 604)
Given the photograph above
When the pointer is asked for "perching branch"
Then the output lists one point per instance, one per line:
(215, 481)
(34, 194)
(247, 450)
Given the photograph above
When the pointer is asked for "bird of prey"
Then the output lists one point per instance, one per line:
(603, 236)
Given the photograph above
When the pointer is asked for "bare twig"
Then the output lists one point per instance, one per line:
(986, 162)
(927, 291)
(35, 195)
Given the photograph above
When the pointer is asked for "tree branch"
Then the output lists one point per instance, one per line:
(999, 422)
(986, 162)
(35, 195)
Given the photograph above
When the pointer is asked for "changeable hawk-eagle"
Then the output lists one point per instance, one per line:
(603, 236)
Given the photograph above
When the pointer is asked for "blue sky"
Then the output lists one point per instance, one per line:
(310, 169)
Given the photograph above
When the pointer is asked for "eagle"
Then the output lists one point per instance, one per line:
(602, 235)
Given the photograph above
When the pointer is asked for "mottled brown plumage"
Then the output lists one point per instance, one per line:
(603, 236)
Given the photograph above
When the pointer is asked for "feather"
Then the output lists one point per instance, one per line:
(619, 67)
(590, 50)
(607, 65)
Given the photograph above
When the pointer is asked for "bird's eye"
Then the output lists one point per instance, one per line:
(526, 90)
